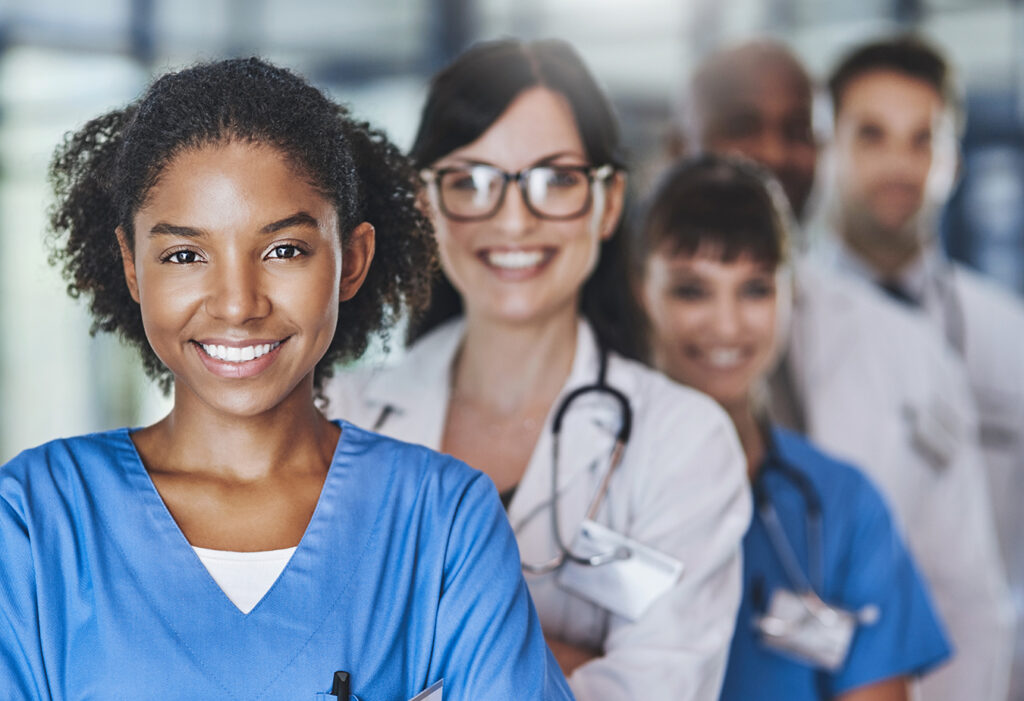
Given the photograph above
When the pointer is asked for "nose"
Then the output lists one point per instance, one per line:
(771, 151)
(514, 217)
(727, 318)
(236, 293)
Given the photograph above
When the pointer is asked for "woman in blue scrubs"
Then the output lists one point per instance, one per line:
(244, 233)
(833, 605)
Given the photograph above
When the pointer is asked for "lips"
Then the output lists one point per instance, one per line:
(238, 354)
(722, 358)
(238, 360)
(517, 263)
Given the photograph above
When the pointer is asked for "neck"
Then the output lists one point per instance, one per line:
(511, 366)
(749, 431)
(292, 437)
(888, 253)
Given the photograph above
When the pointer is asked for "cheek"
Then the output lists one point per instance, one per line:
(762, 320)
(453, 243)
(673, 324)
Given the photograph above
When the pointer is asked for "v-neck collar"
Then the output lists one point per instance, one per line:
(301, 601)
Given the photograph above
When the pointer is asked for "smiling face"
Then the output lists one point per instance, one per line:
(516, 266)
(890, 128)
(713, 323)
(237, 266)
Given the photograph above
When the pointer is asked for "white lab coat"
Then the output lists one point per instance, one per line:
(985, 325)
(880, 388)
(681, 488)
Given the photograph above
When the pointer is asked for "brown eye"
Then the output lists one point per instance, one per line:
(183, 257)
(285, 251)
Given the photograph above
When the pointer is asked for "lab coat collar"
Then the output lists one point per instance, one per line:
(824, 332)
(417, 392)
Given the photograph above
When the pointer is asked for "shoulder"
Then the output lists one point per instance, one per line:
(417, 377)
(412, 468)
(663, 406)
(60, 466)
(991, 311)
(841, 485)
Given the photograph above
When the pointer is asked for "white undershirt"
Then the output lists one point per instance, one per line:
(244, 577)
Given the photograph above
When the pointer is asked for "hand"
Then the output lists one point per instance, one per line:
(570, 656)
(894, 689)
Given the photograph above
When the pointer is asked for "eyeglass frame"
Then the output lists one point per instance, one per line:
(432, 176)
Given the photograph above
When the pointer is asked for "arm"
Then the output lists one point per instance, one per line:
(488, 641)
(955, 542)
(888, 690)
(21, 658)
(570, 657)
(687, 496)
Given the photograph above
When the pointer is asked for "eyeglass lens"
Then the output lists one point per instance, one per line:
(477, 191)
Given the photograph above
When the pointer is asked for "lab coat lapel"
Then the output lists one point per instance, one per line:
(415, 394)
(587, 436)
(823, 336)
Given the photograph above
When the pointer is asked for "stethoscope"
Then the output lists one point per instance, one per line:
(565, 553)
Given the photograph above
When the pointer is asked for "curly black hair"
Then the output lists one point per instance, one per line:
(102, 174)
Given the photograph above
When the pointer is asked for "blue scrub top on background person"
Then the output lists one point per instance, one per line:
(865, 564)
(407, 574)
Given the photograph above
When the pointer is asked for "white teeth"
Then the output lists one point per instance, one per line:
(514, 260)
(724, 357)
(234, 354)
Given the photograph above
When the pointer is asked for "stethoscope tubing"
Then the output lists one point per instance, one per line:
(565, 553)
(814, 580)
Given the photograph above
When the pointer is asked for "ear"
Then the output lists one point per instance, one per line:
(614, 200)
(355, 260)
(128, 262)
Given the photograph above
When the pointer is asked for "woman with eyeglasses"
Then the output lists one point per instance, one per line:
(626, 491)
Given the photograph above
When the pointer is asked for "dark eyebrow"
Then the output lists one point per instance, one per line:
(173, 230)
(546, 160)
(297, 219)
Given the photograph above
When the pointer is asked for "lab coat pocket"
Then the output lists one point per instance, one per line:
(937, 428)
(628, 584)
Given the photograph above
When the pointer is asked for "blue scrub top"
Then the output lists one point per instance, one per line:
(866, 563)
(407, 573)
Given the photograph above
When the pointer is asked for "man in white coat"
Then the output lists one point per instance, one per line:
(869, 381)
(895, 156)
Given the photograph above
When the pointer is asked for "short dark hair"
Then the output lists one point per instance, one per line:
(727, 203)
(908, 54)
(470, 95)
(102, 174)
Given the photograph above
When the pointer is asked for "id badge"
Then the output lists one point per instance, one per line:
(434, 692)
(803, 627)
(626, 586)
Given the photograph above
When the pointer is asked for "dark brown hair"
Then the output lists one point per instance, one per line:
(908, 54)
(720, 203)
(470, 95)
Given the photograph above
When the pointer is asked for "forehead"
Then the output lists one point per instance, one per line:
(226, 185)
(890, 98)
(768, 88)
(537, 124)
